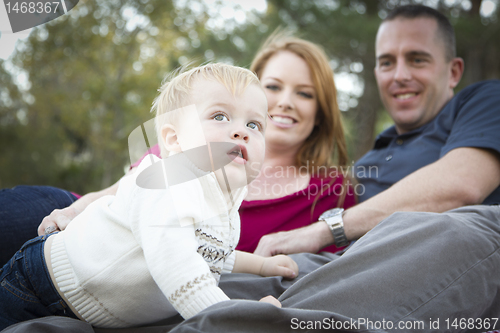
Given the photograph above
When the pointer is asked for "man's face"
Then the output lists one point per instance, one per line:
(414, 79)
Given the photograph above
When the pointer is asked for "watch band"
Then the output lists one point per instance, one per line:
(339, 237)
(333, 219)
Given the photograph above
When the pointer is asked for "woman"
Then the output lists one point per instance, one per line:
(299, 180)
(303, 136)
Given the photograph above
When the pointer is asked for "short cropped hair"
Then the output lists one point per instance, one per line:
(445, 28)
(175, 90)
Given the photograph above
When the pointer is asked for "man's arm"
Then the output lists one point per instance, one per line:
(464, 176)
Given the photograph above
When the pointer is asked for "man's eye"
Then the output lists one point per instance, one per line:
(220, 117)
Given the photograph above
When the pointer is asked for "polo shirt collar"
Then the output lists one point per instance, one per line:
(385, 138)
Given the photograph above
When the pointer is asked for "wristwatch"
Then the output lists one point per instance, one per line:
(333, 219)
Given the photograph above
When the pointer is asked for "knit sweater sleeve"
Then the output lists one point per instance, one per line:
(170, 249)
(229, 263)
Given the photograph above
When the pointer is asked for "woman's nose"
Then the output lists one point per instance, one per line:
(285, 100)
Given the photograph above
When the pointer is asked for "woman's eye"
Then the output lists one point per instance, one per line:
(272, 87)
(220, 117)
(306, 95)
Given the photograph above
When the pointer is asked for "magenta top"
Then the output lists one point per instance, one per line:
(262, 217)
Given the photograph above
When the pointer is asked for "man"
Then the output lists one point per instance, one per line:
(442, 152)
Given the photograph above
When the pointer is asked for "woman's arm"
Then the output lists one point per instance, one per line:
(60, 218)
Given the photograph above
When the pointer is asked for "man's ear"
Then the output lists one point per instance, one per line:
(457, 69)
(169, 138)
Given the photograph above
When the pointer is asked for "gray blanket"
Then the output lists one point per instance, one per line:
(414, 272)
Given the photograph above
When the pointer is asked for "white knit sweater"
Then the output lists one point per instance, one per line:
(127, 261)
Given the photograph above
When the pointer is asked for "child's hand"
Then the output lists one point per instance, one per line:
(279, 265)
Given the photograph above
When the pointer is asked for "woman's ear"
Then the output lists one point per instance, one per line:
(169, 138)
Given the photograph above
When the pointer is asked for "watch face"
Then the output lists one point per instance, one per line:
(331, 212)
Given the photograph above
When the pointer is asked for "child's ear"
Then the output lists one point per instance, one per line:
(169, 138)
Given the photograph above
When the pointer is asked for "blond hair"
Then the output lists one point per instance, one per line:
(176, 89)
(326, 143)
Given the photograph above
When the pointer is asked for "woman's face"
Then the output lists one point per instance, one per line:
(291, 98)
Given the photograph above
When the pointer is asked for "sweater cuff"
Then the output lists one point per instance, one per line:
(229, 263)
(208, 297)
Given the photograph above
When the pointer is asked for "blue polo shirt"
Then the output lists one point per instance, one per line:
(470, 119)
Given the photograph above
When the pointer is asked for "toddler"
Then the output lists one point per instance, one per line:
(159, 246)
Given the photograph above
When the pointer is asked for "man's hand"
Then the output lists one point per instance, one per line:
(271, 300)
(57, 220)
(309, 239)
(279, 265)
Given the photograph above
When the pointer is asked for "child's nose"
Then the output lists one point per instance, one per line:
(240, 134)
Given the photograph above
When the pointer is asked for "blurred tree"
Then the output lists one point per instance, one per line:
(90, 85)
(93, 73)
(12, 130)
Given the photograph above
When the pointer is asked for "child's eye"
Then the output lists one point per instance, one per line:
(253, 125)
(220, 117)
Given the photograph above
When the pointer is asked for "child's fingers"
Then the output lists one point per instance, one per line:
(280, 265)
(295, 267)
(285, 272)
(291, 264)
(291, 274)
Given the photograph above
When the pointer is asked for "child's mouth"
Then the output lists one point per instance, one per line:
(238, 155)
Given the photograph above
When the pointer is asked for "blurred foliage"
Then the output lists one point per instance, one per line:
(94, 72)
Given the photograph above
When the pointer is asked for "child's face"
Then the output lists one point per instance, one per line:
(240, 120)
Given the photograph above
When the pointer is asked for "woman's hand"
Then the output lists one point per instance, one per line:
(57, 220)
(279, 265)
(309, 239)
(60, 218)
(271, 300)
